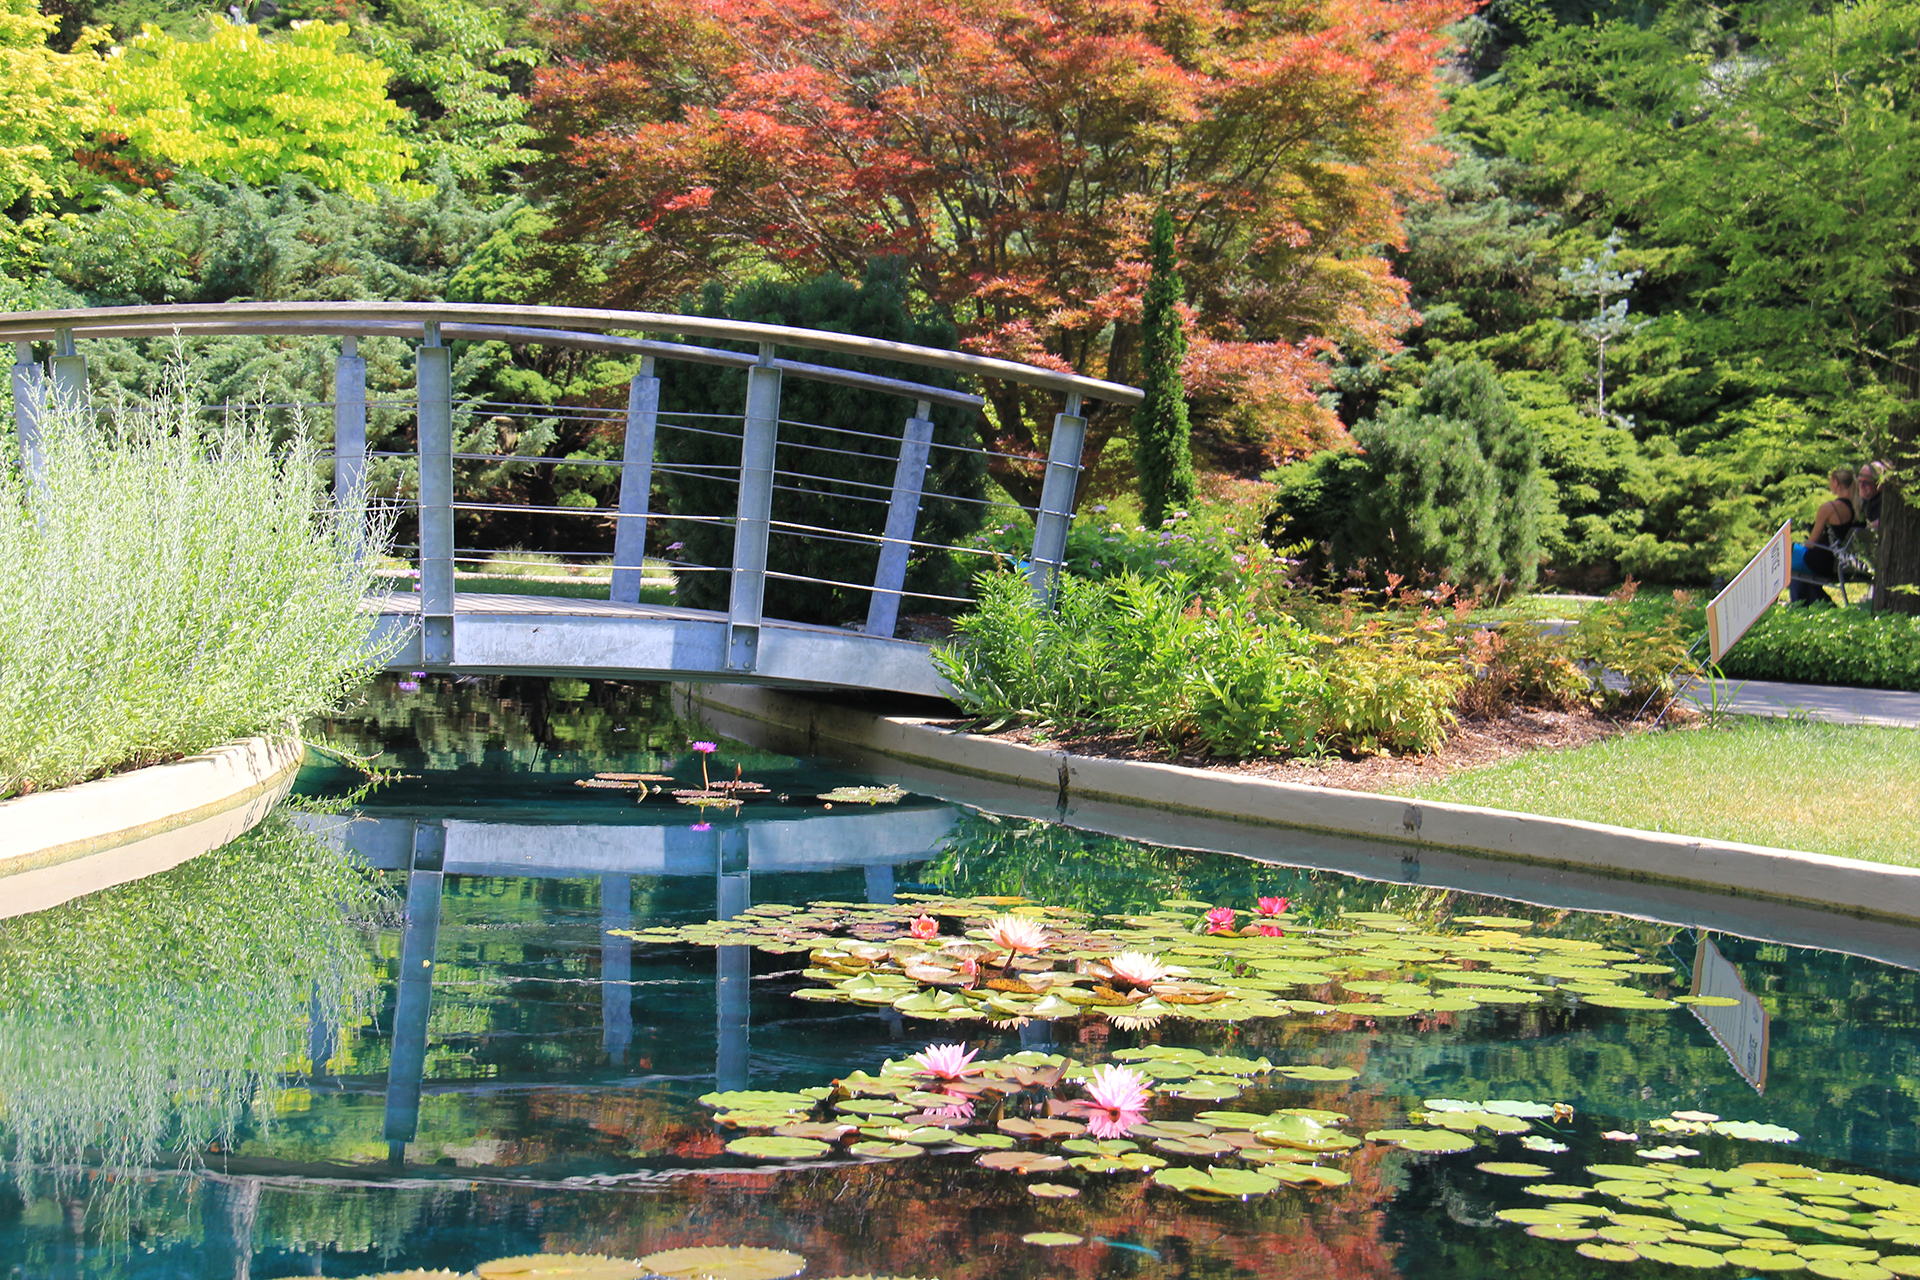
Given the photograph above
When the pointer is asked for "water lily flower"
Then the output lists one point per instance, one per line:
(1113, 1124)
(1272, 931)
(947, 1061)
(1220, 919)
(1016, 935)
(924, 927)
(705, 748)
(701, 826)
(1136, 968)
(1116, 1089)
(1271, 906)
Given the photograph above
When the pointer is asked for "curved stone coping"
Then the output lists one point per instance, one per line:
(59, 845)
(1721, 867)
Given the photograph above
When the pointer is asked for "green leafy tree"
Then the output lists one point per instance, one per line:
(1774, 160)
(1162, 436)
(49, 104)
(242, 107)
(459, 68)
(844, 459)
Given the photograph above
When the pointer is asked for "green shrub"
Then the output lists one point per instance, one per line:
(1830, 646)
(844, 473)
(174, 583)
(1449, 487)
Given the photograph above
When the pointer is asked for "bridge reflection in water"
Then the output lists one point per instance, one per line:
(429, 848)
(439, 629)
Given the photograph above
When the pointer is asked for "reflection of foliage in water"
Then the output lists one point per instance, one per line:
(524, 725)
(146, 1022)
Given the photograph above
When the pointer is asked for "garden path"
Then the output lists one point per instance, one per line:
(1834, 704)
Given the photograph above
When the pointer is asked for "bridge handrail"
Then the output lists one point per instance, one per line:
(26, 326)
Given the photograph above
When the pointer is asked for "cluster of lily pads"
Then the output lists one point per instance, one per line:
(1007, 960)
(1034, 1113)
(1762, 1217)
(724, 1262)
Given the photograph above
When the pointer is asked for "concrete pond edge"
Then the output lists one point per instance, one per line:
(1864, 889)
(59, 845)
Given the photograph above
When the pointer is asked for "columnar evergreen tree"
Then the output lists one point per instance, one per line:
(1163, 452)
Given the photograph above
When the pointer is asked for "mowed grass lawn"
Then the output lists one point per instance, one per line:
(1838, 789)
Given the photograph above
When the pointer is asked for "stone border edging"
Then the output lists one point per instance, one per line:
(60, 845)
(1755, 871)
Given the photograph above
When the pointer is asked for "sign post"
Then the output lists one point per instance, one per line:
(1751, 593)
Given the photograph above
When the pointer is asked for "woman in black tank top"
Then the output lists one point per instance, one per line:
(1831, 524)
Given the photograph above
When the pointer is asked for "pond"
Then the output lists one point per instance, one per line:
(514, 1031)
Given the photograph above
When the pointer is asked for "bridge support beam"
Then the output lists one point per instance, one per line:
(753, 519)
(29, 407)
(733, 966)
(407, 1061)
(636, 484)
(349, 425)
(434, 372)
(903, 514)
(1057, 490)
(69, 374)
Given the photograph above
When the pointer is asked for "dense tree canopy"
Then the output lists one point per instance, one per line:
(1012, 153)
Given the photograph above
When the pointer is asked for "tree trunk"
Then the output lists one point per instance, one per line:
(1896, 572)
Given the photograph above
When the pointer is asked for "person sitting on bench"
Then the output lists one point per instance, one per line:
(1813, 560)
(1870, 477)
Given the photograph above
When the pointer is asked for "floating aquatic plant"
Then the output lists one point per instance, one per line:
(863, 795)
(733, 1263)
(947, 1063)
(1006, 961)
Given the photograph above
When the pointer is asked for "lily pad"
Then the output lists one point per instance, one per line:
(1607, 1252)
(1052, 1239)
(1314, 1175)
(721, 1263)
(1052, 1190)
(1754, 1132)
(1218, 1182)
(1327, 1074)
(1423, 1139)
(565, 1266)
(772, 1148)
(885, 1150)
(757, 1101)
(1514, 1169)
(1023, 1162)
(987, 1141)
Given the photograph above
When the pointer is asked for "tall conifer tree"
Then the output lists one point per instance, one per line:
(1162, 450)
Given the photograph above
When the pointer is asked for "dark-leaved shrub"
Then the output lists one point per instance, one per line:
(1830, 646)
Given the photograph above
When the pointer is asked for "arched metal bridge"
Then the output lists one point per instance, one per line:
(454, 631)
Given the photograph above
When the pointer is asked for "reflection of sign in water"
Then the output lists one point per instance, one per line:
(1741, 1029)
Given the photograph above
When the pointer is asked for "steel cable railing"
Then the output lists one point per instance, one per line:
(771, 491)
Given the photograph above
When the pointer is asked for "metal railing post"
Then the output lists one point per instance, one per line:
(903, 513)
(29, 405)
(636, 485)
(1057, 490)
(753, 521)
(349, 422)
(69, 373)
(413, 1002)
(435, 446)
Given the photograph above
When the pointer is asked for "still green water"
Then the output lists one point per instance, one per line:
(267, 1063)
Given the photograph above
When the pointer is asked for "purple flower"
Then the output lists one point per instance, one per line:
(705, 748)
(1100, 510)
(677, 546)
(418, 675)
(701, 826)
(409, 686)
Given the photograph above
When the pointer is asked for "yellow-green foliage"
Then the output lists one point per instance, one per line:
(240, 107)
(49, 104)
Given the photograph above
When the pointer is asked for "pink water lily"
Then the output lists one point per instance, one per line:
(1272, 931)
(1271, 906)
(705, 748)
(1220, 920)
(1016, 934)
(1113, 1124)
(924, 927)
(947, 1061)
(1114, 1090)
